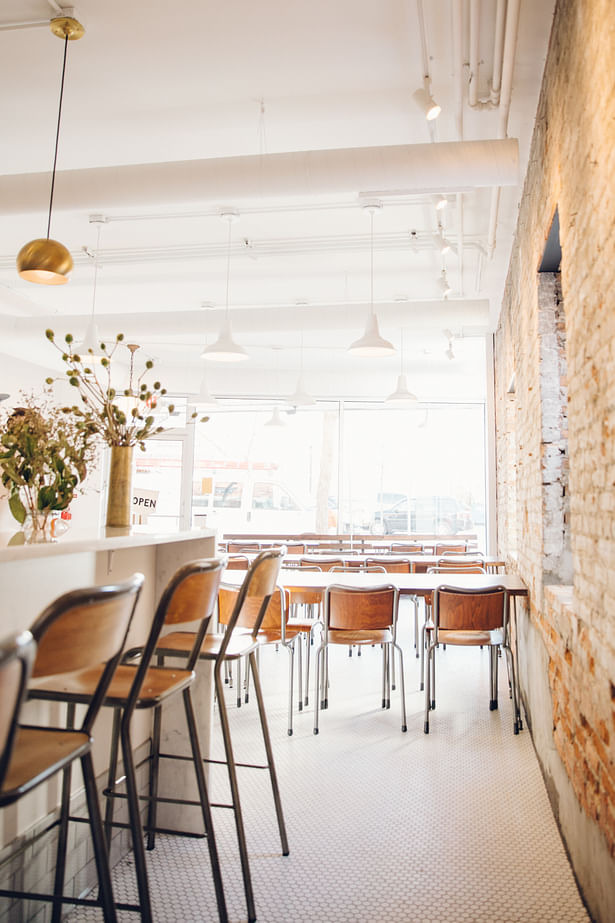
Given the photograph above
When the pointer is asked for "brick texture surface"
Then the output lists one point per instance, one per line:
(572, 164)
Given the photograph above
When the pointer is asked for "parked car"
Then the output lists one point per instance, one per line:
(441, 515)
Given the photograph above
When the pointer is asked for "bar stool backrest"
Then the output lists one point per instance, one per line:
(457, 609)
(254, 595)
(17, 654)
(350, 609)
(84, 629)
(275, 612)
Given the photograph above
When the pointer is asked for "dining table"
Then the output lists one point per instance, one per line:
(419, 562)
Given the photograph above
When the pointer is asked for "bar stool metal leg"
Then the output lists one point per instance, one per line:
(135, 822)
(105, 892)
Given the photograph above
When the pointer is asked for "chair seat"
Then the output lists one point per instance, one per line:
(361, 636)
(470, 638)
(180, 642)
(159, 683)
(38, 754)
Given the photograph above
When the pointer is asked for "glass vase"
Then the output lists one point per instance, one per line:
(38, 527)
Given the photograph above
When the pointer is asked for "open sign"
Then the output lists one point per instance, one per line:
(143, 503)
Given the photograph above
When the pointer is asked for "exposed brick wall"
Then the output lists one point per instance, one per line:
(572, 165)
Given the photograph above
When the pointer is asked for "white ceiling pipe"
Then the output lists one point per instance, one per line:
(474, 52)
(508, 65)
(498, 52)
(424, 315)
(445, 167)
(457, 29)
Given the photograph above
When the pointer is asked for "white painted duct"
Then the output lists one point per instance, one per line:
(443, 167)
(166, 326)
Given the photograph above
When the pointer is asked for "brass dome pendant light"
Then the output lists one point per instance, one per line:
(44, 260)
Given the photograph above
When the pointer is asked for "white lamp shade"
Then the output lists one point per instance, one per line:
(90, 346)
(428, 104)
(301, 397)
(371, 343)
(276, 418)
(204, 398)
(401, 395)
(225, 349)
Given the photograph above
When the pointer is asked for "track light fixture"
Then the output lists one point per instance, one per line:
(401, 394)
(443, 284)
(441, 202)
(449, 352)
(427, 104)
(44, 260)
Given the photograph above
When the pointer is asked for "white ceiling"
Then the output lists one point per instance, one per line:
(153, 82)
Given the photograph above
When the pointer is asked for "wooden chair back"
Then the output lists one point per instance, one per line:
(391, 565)
(406, 547)
(237, 562)
(86, 628)
(295, 548)
(450, 547)
(275, 613)
(321, 563)
(459, 568)
(17, 654)
(458, 609)
(353, 567)
(242, 547)
(350, 609)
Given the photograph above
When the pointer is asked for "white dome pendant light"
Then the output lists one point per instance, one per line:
(401, 395)
(371, 343)
(225, 349)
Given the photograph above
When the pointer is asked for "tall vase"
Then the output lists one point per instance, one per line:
(119, 492)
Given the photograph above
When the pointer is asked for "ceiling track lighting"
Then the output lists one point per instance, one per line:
(401, 395)
(443, 284)
(427, 103)
(276, 418)
(44, 260)
(225, 349)
(449, 352)
(371, 344)
(441, 202)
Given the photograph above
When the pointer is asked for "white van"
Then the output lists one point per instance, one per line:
(237, 501)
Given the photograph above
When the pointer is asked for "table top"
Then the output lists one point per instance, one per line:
(408, 584)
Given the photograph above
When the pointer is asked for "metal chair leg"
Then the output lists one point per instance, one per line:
(58, 887)
(135, 823)
(269, 751)
(402, 684)
(112, 774)
(298, 643)
(105, 890)
(197, 759)
(154, 774)
(232, 773)
(291, 664)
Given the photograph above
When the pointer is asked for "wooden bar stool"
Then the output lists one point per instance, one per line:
(84, 630)
(189, 597)
(239, 640)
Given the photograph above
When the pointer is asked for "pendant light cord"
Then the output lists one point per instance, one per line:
(55, 155)
(228, 265)
(371, 302)
(95, 270)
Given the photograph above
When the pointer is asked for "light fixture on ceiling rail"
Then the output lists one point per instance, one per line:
(444, 285)
(443, 243)
(91, 342)
(225, 349)
(44, 260)
(449, 351)
(300, 397)
(371, 343)
(427, 103)
(401, 394)
(441, 202)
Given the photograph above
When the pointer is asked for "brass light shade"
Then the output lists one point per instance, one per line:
(45, 261)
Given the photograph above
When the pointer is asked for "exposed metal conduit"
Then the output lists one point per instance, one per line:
(474, 52)
(508, 65)
(498, 52)
(457, 28)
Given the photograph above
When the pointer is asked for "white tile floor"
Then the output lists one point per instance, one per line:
(383, 826)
